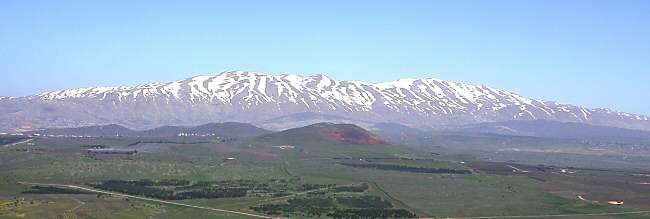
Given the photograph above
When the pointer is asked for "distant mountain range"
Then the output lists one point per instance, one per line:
(552, 129)
(286, 101)
(229, 129)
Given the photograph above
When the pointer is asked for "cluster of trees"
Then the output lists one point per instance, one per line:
(364, 202)
(403, 168)
(352, 188)
(271, 188)
(241, 183)
(11, 139)
(307, 187)
(111, 151)
(135, 188)
(25, 149)
(308, 207)
(199, 185)
(209, 193)
(371, 213)
(340, 207)
(164, 182)
(153, 189)
(53, 190)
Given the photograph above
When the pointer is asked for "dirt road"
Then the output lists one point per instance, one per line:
(143, 198)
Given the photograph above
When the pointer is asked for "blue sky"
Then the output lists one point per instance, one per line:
(592, 53)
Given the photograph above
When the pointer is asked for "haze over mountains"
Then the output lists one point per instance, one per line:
(285, 101)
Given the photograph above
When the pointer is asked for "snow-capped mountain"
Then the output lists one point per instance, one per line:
(254, 98)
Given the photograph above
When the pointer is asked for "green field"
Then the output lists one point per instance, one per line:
(294, 182)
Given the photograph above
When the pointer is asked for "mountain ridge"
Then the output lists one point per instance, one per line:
(254, 97)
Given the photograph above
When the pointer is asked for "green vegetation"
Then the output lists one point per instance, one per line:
(403, 168)
(351, 188)
(371, 213)
(5, 140)
(173, 189)
(339, 207)
(53, 190)
(363, 202)
(308, 207)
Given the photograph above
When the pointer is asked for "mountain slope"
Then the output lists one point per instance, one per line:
(253, 97)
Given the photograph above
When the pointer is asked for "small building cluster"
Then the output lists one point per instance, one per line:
(184, 134)
(284, 147)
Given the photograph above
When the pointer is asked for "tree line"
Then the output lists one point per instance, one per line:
(371, 213)
(150, 189)
(53, 190)
(404, 168)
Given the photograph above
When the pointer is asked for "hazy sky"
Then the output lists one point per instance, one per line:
(592, 53)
